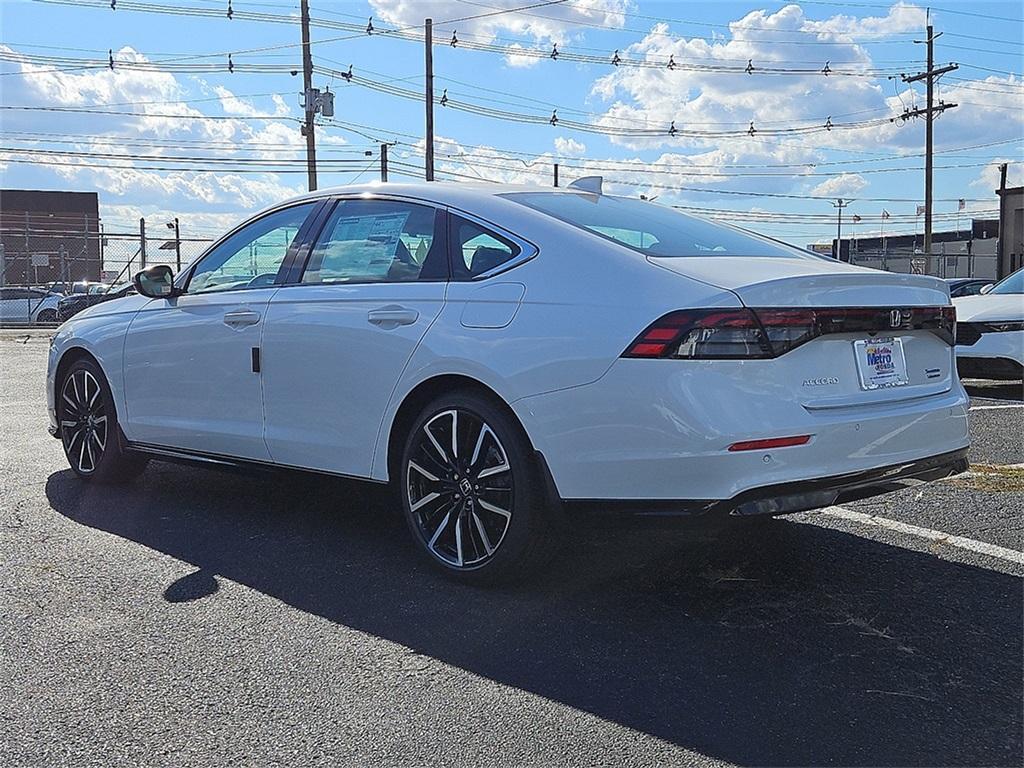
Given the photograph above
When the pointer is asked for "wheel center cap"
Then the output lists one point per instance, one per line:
(465, 486)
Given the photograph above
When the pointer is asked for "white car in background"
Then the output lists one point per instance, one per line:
(509, 357)
(990, 331)
(22, 304)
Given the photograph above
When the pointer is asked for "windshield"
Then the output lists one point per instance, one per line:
(650, 229)
(1012, 284)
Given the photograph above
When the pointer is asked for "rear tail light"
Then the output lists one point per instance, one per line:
(716, 334)
(703, 334)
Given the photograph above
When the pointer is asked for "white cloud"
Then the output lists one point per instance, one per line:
(902, 17)
(844, 185)
(543, 25)
(567, 147)
(155, 103)
(988, 179)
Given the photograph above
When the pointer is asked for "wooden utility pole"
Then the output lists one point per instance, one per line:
(428, 40)
(556, 174)
(308, 102)
(383, 162)
(929, 112)
(839, 204)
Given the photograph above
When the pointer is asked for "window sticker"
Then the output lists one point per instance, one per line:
(363, 246)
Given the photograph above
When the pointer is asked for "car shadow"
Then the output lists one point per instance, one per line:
(994, 390)
(795, 646)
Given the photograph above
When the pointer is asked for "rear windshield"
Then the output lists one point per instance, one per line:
(651, 229)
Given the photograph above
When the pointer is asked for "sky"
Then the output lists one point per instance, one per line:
(756, 113)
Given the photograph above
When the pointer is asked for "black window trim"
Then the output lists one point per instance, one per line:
(185, 278)
(302, 262)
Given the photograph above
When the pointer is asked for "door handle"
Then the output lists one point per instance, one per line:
(241, 318)
(392, 316)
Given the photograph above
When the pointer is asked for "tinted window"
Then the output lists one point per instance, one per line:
(252, 256)
(378, 241)
(477, 249)
(651, 229)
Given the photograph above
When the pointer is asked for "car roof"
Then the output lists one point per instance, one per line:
(441, 192)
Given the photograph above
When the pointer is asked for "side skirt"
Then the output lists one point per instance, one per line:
(217, 461)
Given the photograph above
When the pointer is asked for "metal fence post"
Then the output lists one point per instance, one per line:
(142, 243)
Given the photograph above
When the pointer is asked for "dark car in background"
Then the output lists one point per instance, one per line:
(966, 286)
(74, 303)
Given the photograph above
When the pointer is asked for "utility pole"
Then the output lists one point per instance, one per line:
(383, 162)
(428, 40)
(929, 112)
(308, 102)
(556, 174)
(839, 204)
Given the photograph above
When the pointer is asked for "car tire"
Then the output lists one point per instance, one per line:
(88, 427)
(475, 506)
(47, 316)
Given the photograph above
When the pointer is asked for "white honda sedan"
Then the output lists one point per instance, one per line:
(990, 334)
(509, 357)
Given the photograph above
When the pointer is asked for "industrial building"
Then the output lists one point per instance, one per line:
(49, 237)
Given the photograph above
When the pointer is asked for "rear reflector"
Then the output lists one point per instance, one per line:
(772, 442)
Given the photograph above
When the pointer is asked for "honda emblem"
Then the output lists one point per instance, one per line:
(895, 318)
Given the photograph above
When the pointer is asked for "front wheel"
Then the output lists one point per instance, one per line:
(47, 316)
(88, 427)
(471, 491)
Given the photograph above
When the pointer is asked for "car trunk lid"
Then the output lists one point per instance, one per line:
(848, 361)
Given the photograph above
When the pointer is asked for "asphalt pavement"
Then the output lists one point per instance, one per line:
(199, 618)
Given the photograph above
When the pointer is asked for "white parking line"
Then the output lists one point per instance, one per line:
(994, 407)
(938, 537)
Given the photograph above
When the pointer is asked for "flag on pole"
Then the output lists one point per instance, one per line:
(885, 214)
(856, 218)
(961, 204)
(920, 210)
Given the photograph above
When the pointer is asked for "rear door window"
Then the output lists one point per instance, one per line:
(379, 241)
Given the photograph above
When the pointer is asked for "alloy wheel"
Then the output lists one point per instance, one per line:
(459, 487)
(83, 421)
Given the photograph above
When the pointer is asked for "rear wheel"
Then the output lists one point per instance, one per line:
(47, 316)
(88, 427)
(471, 491)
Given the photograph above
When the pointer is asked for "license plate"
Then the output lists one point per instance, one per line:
(881, 363)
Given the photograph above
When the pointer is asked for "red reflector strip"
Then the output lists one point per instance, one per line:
(642, 349)
(772, 442)
(661, 334)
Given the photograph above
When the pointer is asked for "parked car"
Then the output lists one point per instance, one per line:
(28, 305)
(990, 331)
(966, 286)
(71, 305)
(512, 357)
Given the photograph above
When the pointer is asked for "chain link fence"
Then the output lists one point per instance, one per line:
(48, 265)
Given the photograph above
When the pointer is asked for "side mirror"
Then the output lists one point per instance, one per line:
(156, 282)
(987, 288)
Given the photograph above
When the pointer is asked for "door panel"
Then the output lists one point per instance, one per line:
(335, 345)
(188, 360)
(330, 364)
(188, 373)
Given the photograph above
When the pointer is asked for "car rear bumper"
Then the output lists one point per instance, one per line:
(787, 498)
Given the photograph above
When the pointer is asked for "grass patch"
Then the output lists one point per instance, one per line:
(993, 478)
